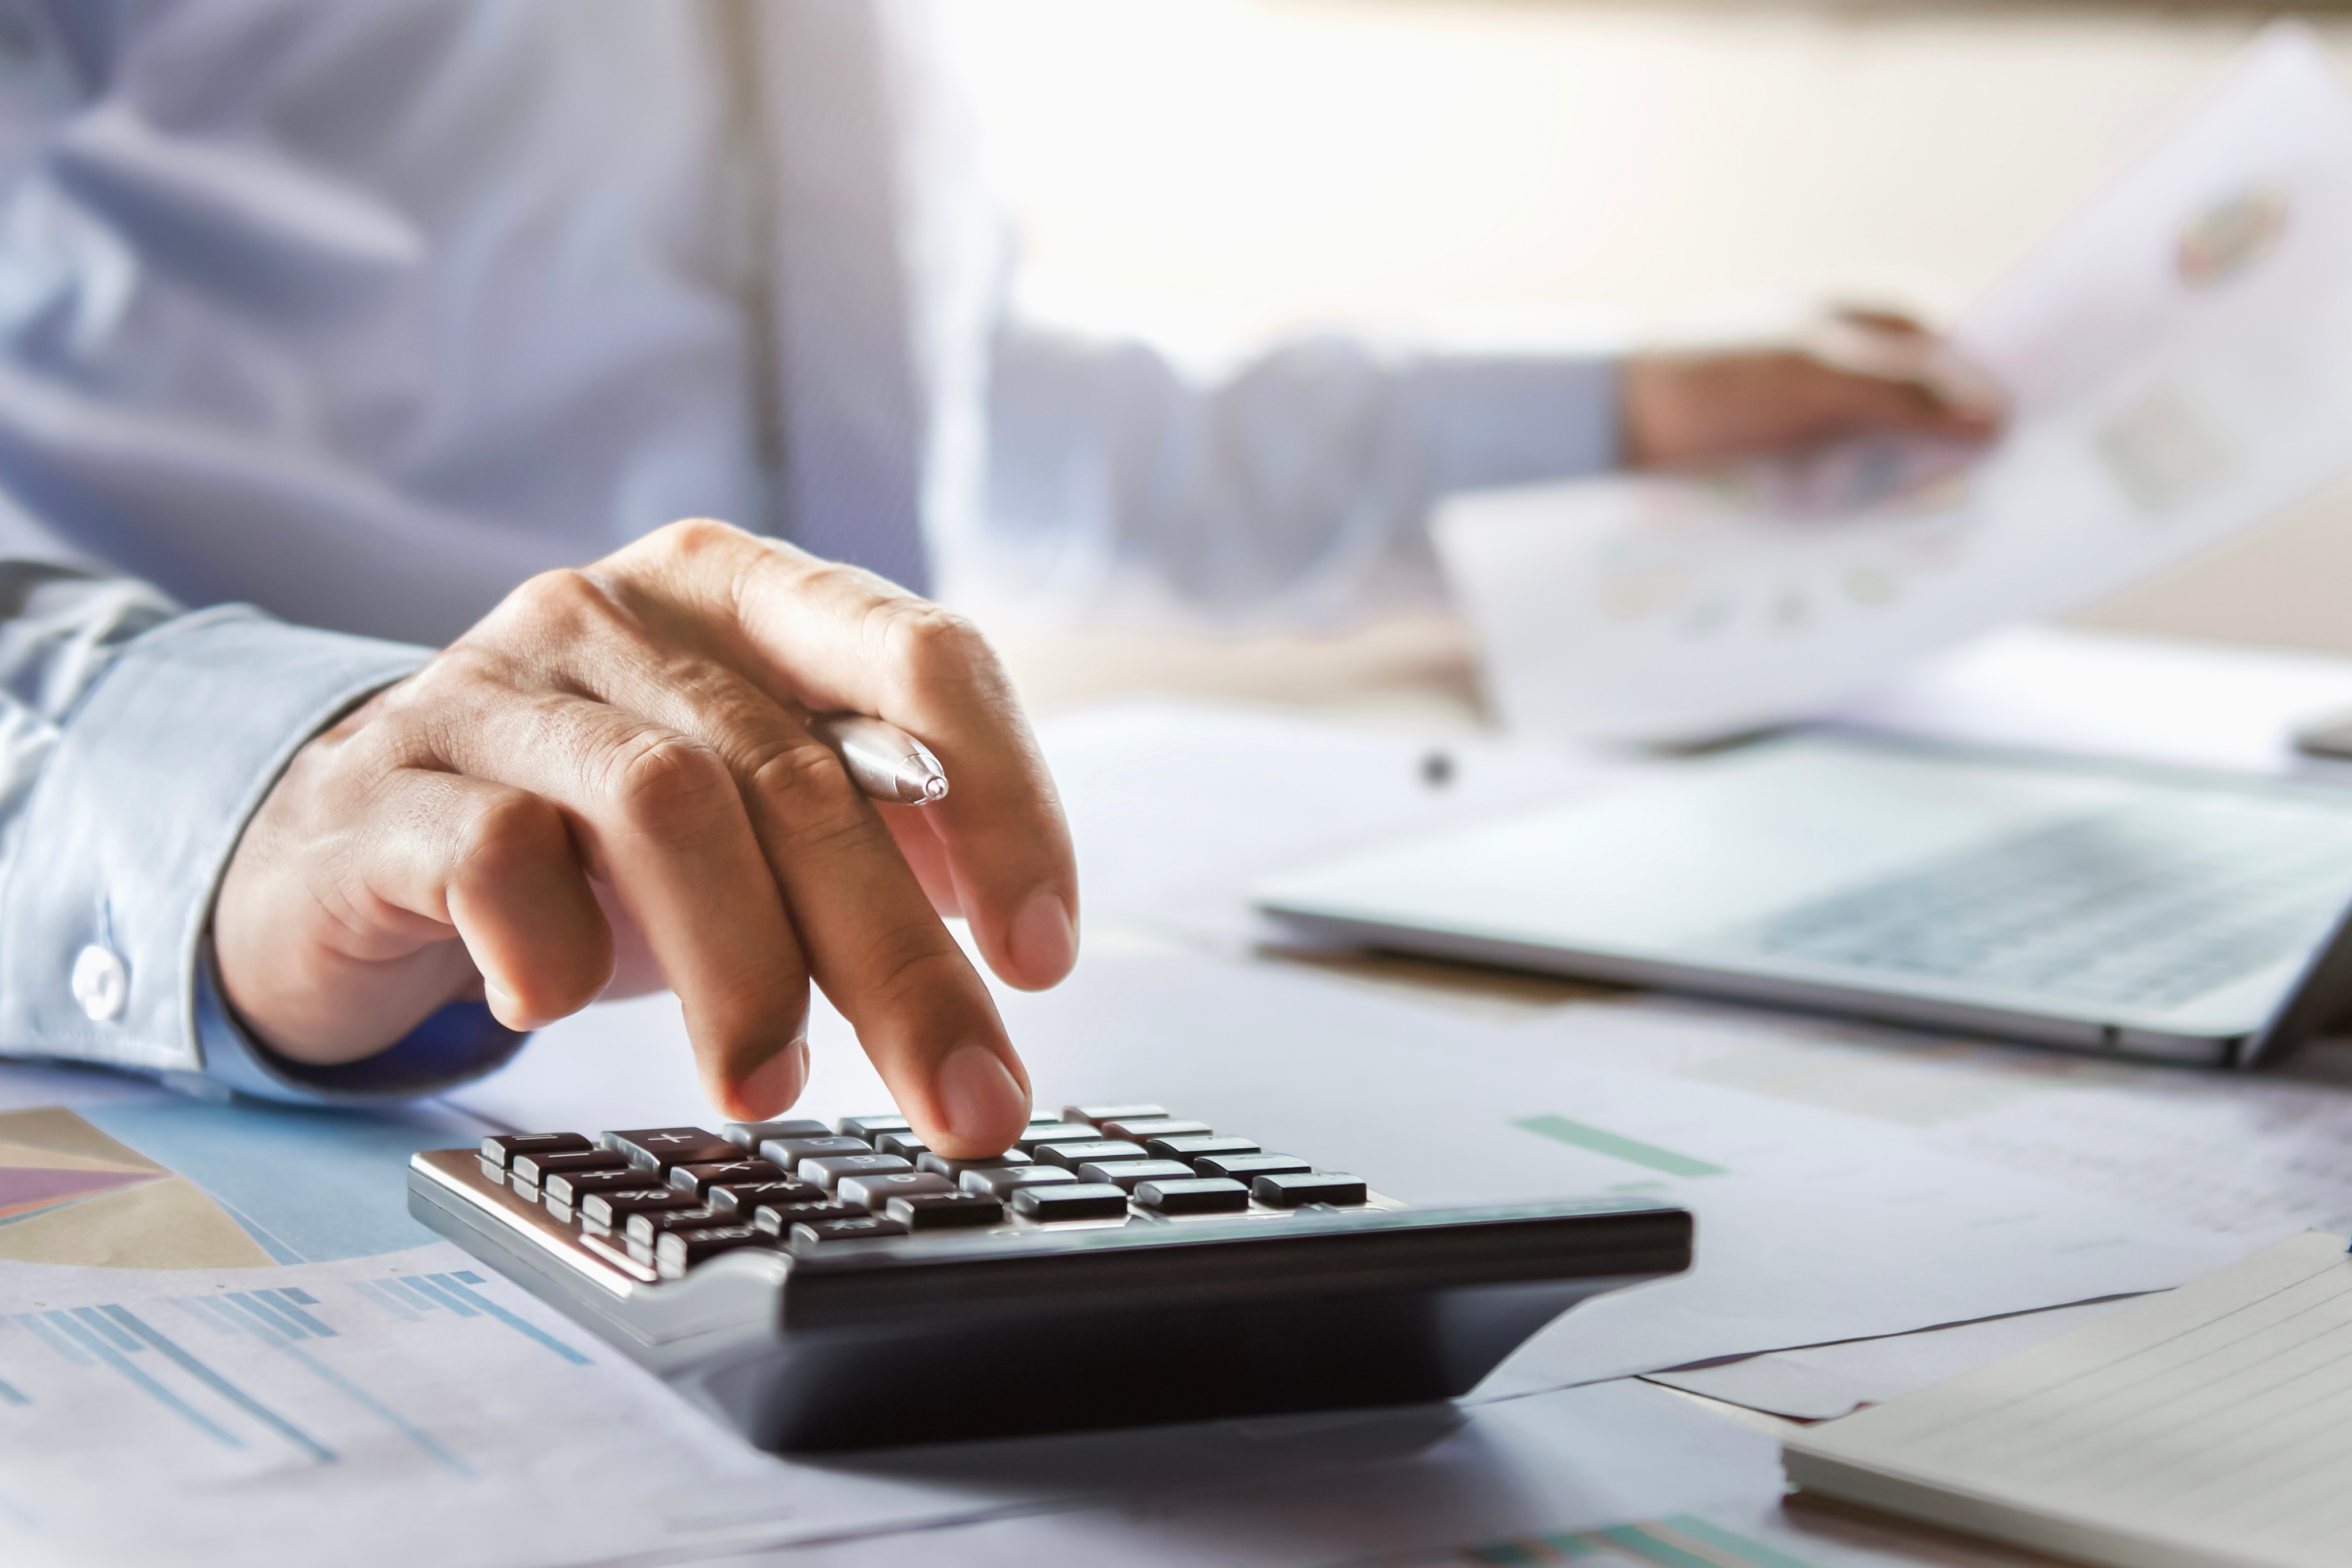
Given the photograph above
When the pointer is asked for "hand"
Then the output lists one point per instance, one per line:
(606, 785)
(1868, 371)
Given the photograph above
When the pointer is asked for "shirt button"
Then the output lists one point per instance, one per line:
(100, 984)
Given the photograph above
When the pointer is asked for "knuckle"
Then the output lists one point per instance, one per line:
(804, 772)
(665, 782)
(508, 830)
(558, 603)
(931, 644)
(689, 539)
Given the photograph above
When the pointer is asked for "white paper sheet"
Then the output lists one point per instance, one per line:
(2176, 360)
(1176, 807)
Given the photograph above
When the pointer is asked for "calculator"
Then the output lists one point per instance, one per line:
(830, 1287)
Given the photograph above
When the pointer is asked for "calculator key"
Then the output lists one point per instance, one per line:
(1322, 1187)
(1039, 1135)
(1094, 1115)
(659, 1148)
(574, 1187)
(742, 1197)
(906, 1145)
(827, 1232)
(943, 1210)
(827, 1170)
(1080, 1200)
(871, 1127)
(501, 1150)
(1124, 1174)
(1193, 1148)
(1143, 1129)
(1198, 1194)
(789, 1152)
(940, 1165)
(679, 1250)
(873, 1191)
(700, 1179)
(1070, 1156)
(1003, 1182)
(646, 1226)
(1249, 1168)
(751, 1134)
(778, 1218)
(537, 1168)
(610, 1209)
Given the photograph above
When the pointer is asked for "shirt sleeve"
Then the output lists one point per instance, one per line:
(136, 740)
(1294, 485)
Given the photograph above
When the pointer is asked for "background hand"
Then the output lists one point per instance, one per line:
(607, 783)
(1862, 372)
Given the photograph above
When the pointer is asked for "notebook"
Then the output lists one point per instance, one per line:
(2210, 1426)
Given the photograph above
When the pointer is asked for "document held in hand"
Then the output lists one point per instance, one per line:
(2209, 1427)
(2177, 361)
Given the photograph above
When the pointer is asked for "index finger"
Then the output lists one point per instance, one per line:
(833, 637)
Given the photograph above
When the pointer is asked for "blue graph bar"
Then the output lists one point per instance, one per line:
(285, 1327)
(53, 1340)
(114, 1336)
(433, 1292)
(162, 1396)
(225, 1389)
(292, 1301)
(12, 1395)
(482, 1304)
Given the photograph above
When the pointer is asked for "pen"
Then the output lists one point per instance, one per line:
(887, 763)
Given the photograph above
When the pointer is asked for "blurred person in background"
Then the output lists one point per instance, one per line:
(334, 335)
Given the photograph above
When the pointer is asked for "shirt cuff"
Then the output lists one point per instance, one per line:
(459, 1043)
(131, 823)
(1487, 421)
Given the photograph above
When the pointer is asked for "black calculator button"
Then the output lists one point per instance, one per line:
(940, 1165)
(751, 1134)
(943, 1210)
(1143, 1129)
(1070, 1156)
(700, 1179)
(574, 1187)
(742, 1197)
(1079, 1201)
(1124, 1174)
(1196, 1195)
(659, 1148)
(871, 1127)
(827, 1232)
(646, 1226)
(1193, 1147)
(873, 1191)
(1003, 1181)
(1250, 1167)
(1041, 1135)
(906, 1145)
(610, 1209)
(789, 1152)
(1322, 1187)
(1096, 1115)
(679, 1250)
(778, 1218)
(827, 1170)
(537, 1168)
(501, 1150)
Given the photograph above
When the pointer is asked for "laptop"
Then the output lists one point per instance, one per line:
(2106, 908)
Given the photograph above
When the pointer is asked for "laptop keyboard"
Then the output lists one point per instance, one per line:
(2149, 906)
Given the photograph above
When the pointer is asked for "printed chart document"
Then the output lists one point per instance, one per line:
(2178, 363)
(2204, 1428)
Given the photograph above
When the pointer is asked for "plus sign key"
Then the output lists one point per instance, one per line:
(661, 1149)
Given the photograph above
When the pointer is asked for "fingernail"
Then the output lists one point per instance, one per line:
(1044, 943)
(775, 1084)
(979, 1096)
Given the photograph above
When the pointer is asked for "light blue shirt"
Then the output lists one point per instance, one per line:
(322, 326)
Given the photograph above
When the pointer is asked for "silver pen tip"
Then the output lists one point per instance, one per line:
(934, 789)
